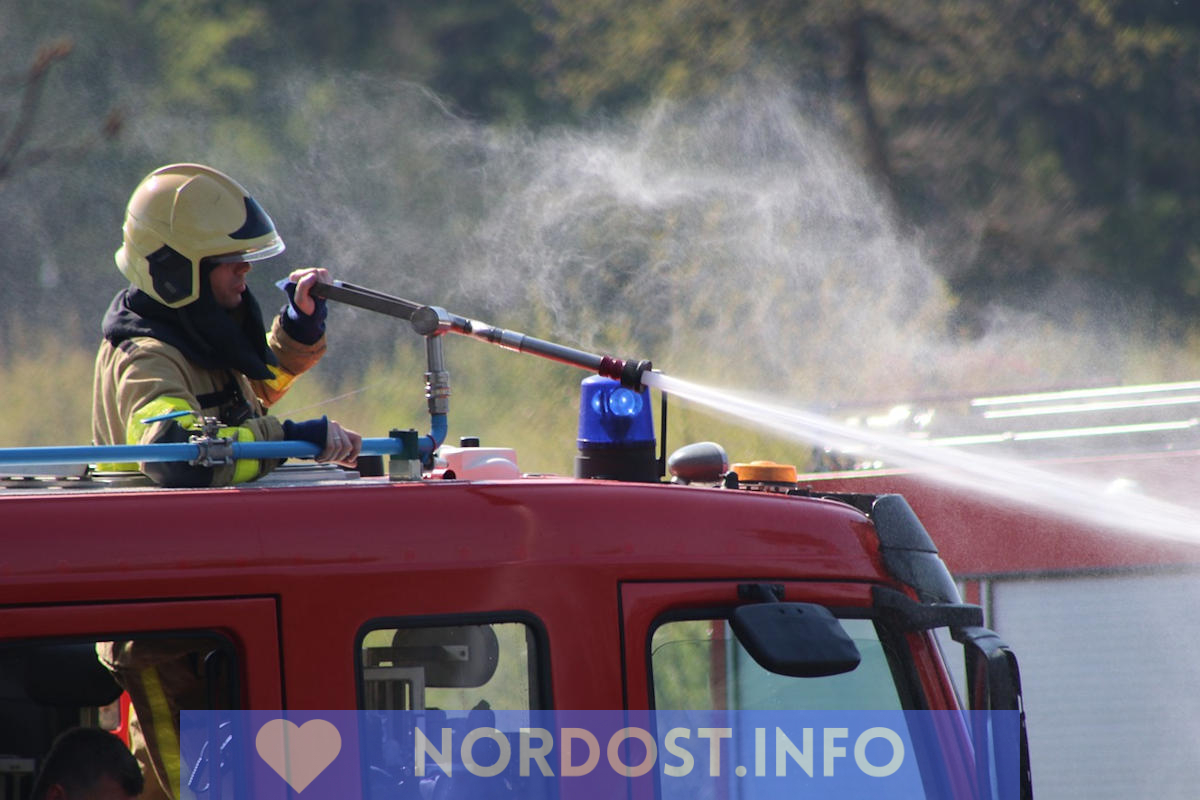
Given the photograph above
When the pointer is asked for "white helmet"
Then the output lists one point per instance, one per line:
(181, 214)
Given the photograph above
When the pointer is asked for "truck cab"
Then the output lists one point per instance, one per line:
(319, 588)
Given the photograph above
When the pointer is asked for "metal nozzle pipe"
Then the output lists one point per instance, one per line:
(433, 321)
(437, 379)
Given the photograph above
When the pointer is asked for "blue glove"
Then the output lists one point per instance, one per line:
(310, 430)
(304, 328)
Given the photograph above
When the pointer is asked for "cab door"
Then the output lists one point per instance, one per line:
(51, 678)
(681, 655)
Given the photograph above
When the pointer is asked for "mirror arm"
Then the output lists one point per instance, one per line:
(909, 615)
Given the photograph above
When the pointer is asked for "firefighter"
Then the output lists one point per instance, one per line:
(187, 335)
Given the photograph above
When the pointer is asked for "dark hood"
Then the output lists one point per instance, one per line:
(209, 336)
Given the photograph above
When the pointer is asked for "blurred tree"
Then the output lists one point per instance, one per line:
(163, 63)
(482, 55)
(1046, 140)
(372, 35)
(206, 54)
(611, 56)
(1027, 140)
(22, 144)
(615, 55)
(1031, 140)
(478, 55)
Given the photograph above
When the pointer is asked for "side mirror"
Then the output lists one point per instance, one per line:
(801, 640)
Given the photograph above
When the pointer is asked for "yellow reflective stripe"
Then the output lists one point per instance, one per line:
(111, 467)
(165, 744)
(159, 405)
(244, 469)
(281, 381)
(137, 427)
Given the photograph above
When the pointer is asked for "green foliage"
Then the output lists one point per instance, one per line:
(617, 54)
(46, 397)
(1033, 140)
(203, 49)
(482, 56)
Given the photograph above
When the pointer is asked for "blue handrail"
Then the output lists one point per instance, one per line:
(185, 451)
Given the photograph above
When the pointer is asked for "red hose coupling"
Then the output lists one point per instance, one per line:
(627, 371)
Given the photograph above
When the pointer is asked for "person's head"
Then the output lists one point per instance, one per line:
(88, 764)
(186, 224)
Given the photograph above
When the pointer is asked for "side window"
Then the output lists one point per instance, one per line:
(449, 673)
(48, 686)
(699, 664)
(452, 667)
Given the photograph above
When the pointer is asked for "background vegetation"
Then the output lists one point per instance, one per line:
(832, 201)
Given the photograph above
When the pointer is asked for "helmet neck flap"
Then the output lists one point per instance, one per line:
(208, 335)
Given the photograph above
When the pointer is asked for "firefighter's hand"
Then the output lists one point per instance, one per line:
(304, 280)
(341, 445)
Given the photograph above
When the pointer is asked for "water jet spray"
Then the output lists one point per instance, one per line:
(1009, 480)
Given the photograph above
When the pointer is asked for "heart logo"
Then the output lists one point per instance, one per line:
(299, 753)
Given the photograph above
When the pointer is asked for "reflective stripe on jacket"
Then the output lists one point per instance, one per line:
(145, 377)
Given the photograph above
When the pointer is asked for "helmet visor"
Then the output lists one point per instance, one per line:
(254, 254)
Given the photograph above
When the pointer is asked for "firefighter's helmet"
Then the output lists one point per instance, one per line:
(182, 214)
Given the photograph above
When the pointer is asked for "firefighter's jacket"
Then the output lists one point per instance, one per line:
(163, 677)
(149, 366)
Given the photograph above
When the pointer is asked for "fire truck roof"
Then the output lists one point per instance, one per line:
(198, 540)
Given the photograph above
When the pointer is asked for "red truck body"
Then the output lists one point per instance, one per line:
(311, 581)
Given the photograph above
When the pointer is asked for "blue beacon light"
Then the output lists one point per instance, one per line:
(616, 432)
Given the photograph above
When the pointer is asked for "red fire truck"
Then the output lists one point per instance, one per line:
(464, 584)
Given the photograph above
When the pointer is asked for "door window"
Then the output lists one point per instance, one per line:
(65, 666)
(134, 687)
(699, 664)
(452, 667)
